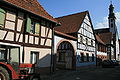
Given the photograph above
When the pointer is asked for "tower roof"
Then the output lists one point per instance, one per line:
(111, 11)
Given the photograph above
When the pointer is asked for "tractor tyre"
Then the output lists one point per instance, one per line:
(34, 77)
(4, 75)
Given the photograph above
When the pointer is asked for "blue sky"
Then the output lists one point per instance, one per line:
(98, 9)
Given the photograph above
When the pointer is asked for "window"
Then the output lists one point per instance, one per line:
(111, 24)
(2, 17)
(81, 39)
(86, 41)
(82, 57)
(87, 55)
(32, 26)
(92, 57)
(34, 57)
(35, 27)
(2, 54)
(28, 24)
(43, 22)
(61, 57)
(91, 42)
(111, 20)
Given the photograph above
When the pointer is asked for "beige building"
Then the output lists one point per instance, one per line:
(26, 34)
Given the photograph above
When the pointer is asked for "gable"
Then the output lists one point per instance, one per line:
(86, 28)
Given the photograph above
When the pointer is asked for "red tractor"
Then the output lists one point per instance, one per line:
(11, 68)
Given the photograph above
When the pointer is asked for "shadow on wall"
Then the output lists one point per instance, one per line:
(43, 65)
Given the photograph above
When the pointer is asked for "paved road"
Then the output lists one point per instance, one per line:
(91, 73)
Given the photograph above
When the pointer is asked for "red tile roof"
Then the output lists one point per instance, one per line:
(99, 39)
(32, 6)
(65, 35)
(106, 37)
(71, 23)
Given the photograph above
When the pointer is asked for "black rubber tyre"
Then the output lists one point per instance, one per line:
(4, 75)
(34, 77)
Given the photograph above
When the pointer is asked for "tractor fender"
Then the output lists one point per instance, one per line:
(11, 71)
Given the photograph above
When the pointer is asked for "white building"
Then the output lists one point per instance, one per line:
(75, 41)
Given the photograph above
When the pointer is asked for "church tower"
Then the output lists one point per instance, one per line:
(112, 19)
(113, 29)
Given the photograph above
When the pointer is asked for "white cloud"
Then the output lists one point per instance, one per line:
(103, 24)
(117, 14)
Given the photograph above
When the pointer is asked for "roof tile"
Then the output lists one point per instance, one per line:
(70, 23)
(32, 6)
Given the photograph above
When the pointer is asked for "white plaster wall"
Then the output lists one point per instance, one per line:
(2, 34)
(12, 17)
(44, 56)
(117, 49)
(10, 36)
(101, 53)
(19, 24)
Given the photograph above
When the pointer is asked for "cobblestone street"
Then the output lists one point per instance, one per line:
(91, 73)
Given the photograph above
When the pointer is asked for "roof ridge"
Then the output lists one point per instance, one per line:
(71, 14)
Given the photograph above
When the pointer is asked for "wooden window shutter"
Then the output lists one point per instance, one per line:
(28, 24)
(37, 28)
(2, 16)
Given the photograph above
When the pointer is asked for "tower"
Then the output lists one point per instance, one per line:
(112, 19)
(113, 30)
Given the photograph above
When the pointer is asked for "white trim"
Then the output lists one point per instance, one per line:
(8, 44)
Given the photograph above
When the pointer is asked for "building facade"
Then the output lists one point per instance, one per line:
(80, 27)
(101, 50)
(26, 33)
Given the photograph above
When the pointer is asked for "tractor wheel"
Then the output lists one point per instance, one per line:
(4, 75)
(35, 77)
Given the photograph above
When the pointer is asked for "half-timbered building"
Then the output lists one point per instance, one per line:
(101, 50)
(79, 26)
(26, 32)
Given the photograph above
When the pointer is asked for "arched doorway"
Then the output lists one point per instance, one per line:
(65, 56)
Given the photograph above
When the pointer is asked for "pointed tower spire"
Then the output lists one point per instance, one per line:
(111, 11)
